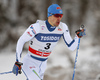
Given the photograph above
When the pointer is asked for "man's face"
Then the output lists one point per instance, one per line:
(54, 20)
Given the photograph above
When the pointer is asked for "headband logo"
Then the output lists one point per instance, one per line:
(58, 8)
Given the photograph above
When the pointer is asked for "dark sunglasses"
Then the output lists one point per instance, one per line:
(58, 15)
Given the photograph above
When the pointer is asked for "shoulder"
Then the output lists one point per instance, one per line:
(38, 21)
(65, 27)
(35, 27)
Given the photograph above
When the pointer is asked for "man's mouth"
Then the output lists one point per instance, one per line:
(58, 22)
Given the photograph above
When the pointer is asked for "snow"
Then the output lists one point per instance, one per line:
(7, 60)
(88, 60)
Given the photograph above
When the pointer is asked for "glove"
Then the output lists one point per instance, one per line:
(17, 68)
(80, 33)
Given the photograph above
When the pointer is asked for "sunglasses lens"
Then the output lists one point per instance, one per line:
(58, 15)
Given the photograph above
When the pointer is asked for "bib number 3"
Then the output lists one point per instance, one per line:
(48, 46)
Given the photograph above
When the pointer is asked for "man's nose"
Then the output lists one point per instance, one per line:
(59, 18)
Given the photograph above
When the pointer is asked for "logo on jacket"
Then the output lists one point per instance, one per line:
(52, 38)
(59, 29)
(32, 67)
(48, 37)
(34, 32)
(29, 33)
(43, 27)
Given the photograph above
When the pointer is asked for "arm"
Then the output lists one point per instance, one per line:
(71, 43)
(27, 36)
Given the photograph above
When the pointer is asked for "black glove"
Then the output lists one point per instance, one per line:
(17, 68)
(80, 33)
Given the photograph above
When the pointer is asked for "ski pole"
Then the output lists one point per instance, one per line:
(76, 59)
(6, 72)
(82, 27)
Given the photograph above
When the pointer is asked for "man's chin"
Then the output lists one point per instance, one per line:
(57, 24)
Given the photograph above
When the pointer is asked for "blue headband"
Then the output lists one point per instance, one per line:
(54, 9)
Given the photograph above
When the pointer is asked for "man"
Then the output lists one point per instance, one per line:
(42, 37)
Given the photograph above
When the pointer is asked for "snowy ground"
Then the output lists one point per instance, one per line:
(59, 63)
(7, 61)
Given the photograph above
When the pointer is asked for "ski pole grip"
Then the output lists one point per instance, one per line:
(82, 27)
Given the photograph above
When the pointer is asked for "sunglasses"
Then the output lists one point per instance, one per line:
(58, 15)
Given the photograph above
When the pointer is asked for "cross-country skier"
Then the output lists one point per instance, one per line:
(42, 37)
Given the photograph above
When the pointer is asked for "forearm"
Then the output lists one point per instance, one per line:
(71, 43)
(19, 49)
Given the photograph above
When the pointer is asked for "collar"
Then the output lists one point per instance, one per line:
(50, 28)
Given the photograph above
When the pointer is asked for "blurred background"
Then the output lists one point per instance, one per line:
(17, 15)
